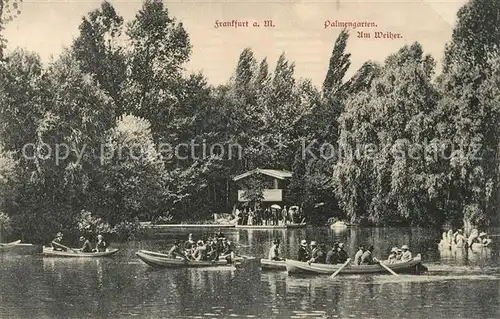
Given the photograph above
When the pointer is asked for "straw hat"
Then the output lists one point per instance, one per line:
(303, 242)
(59, 234)
(341, 245)
(482, 234)
(404, 247)
(313, 243)
(394, 250)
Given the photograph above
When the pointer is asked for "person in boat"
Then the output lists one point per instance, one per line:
(56, 241)
(332, 257)
(392, 259)
(303, 253)
(86, 246)
(342, 254)
(367, 257)
(460, 238)
(176, 251)
(406, 255)
(227, 250)
(399, 255)
(274, 253)
(317, 254)
(213, 252)
(359, 254)
(101, 245)
(200, 253)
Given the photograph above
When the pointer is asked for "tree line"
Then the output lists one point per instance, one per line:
(123, 85)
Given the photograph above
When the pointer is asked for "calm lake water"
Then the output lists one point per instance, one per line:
(457, 285)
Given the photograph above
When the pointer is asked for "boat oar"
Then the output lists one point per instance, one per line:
(65, 247)
(341, 267)
(387, 268)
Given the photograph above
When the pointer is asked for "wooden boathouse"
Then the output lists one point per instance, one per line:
(274, 181)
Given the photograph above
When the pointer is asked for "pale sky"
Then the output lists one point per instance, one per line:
(46, 26)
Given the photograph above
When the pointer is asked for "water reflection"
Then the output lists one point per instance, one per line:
(459, 284)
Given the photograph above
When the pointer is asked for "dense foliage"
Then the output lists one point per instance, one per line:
(114, 131)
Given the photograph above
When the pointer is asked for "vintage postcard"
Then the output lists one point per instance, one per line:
(249, 159)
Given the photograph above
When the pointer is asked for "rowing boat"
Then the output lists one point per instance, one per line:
(18, 248)
(413, 266)
(267, 264)
(159, 260)
(49, 252)
(283, 226)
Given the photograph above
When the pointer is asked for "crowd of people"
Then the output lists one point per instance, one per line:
(316, 253)
(459, 239)
(211, 249)
(270, 216)
(86, 246)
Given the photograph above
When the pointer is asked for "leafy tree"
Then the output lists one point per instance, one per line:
(469, 112)
(99, 53)
(159, 48)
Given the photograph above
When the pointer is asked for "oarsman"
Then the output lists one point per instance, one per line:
(406, 255)
(86, 245)
(342, 254)
(175, 251)
(317, 254)
(332, 257)
(359, 254)
(56, 242)
(274, 253)
(101, 245)
(303, 253)
(367, 257)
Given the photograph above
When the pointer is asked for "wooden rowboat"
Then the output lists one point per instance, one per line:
(284, 226)
(294, 267)
(267, 264)
(18, 248)
(159, 260)
(49, 252)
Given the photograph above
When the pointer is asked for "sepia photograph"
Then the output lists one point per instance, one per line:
(250, 159)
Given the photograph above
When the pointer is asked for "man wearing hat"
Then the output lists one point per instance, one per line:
(406, 256)
(86, 246)
(317, 253)
(332, 257)
(303, 253)
(57, 242)
(101, 245)
(274, 253)
(367, 258)
(392, 259)
(342, 254)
